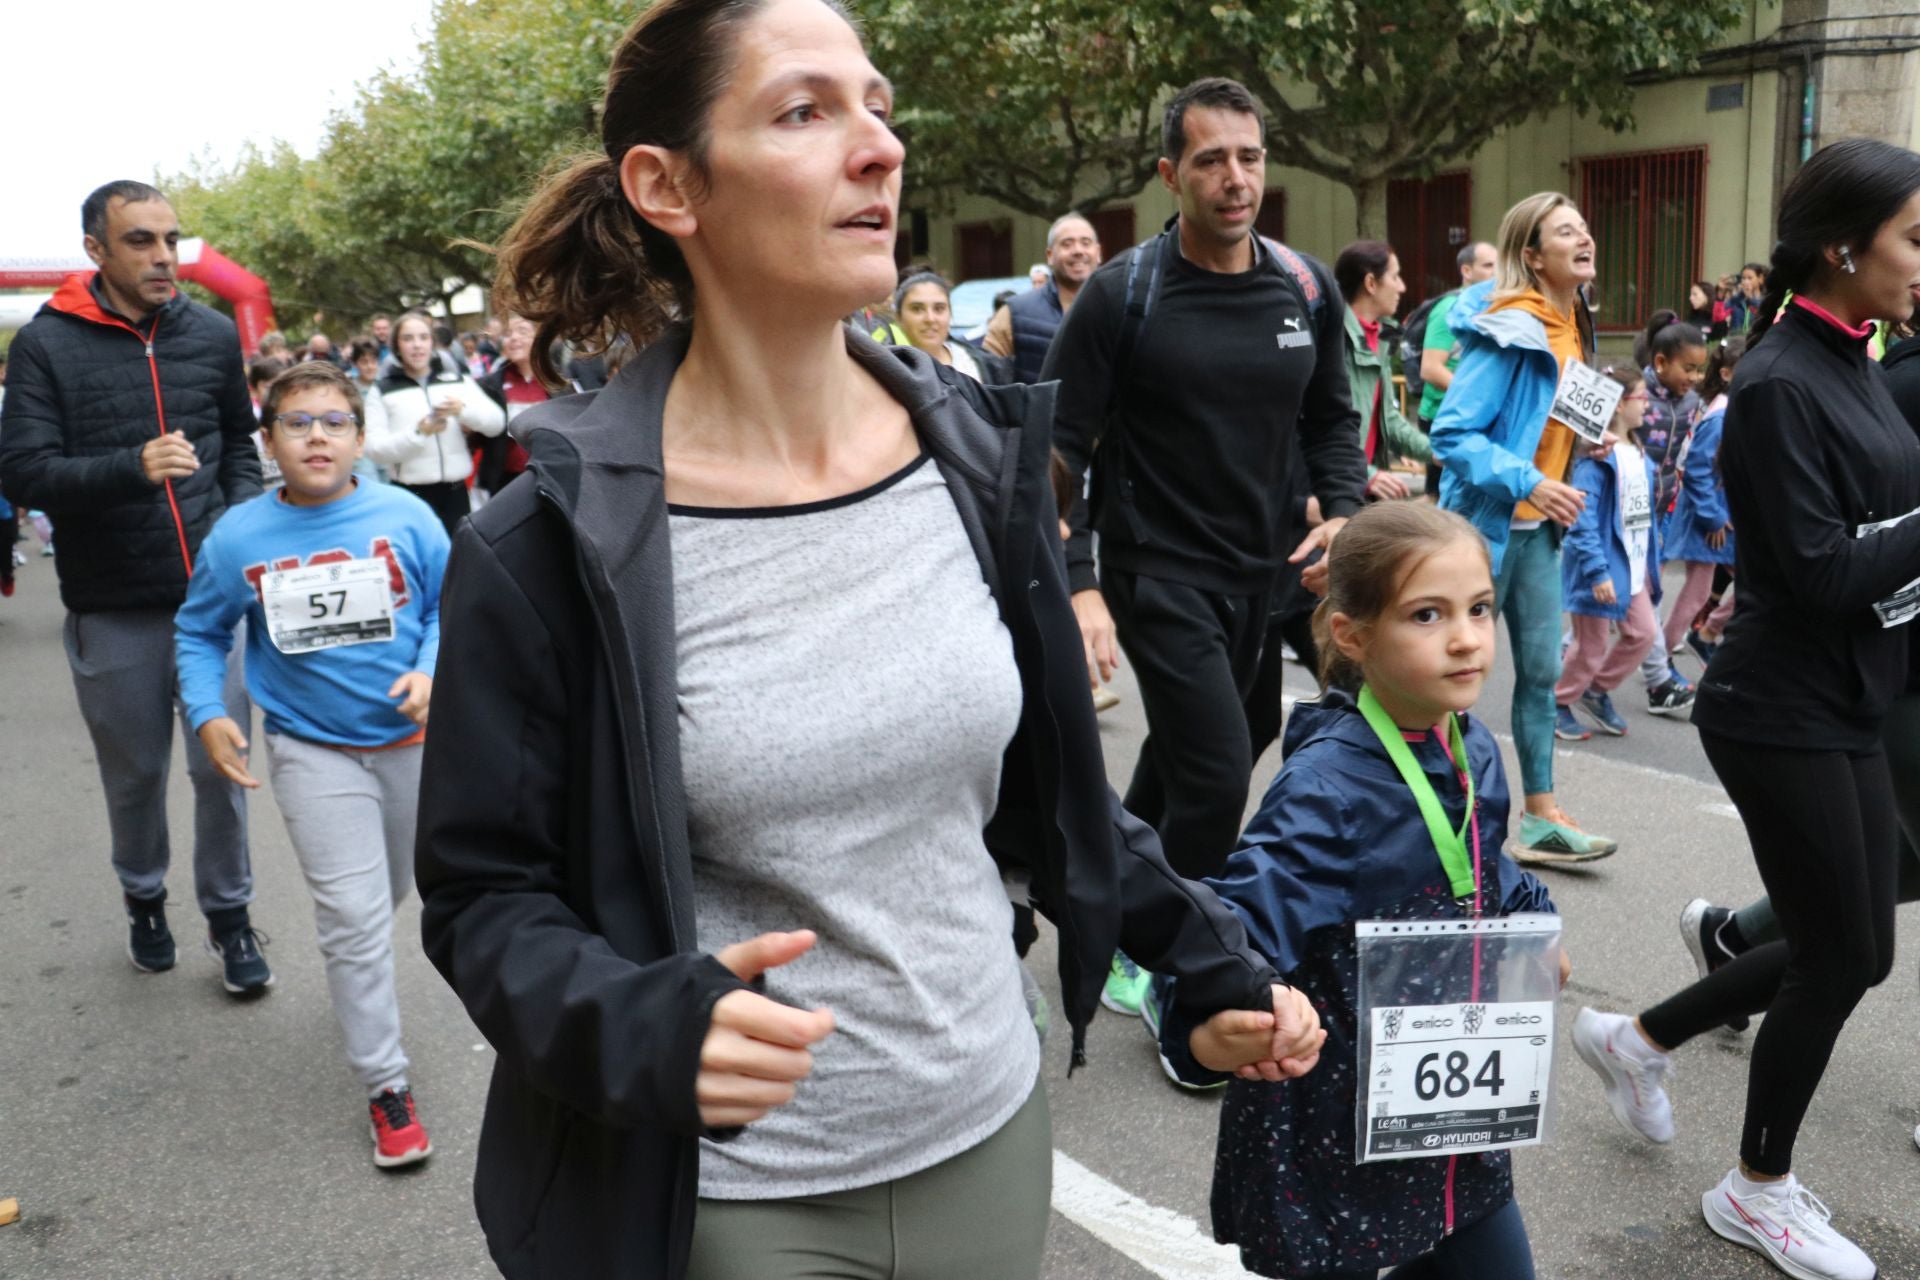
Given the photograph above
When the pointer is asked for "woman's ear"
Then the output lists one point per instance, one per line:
(654, 181)
(1349, 637)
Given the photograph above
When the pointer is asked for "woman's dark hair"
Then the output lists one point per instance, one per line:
(1841, 197)
(1720, 362)
(579, 261)
(1061, 477)
(915, 278)
(1364, 576)
(1359, 260)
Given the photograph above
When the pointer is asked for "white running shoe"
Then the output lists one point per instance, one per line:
(1789, 1227)
(1634, 1072)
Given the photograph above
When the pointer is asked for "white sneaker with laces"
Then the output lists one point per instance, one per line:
(1789, 1227)
(1634, 1072)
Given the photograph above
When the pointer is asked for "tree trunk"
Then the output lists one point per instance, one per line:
(1370, 208)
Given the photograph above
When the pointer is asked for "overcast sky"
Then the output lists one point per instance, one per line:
(104, 89)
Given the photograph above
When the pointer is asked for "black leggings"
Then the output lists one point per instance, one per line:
(1824, 839)
(1266, 703)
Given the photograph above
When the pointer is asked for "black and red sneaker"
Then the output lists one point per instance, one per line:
(398, 1136)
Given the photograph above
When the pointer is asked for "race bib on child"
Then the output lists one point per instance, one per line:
(1585, 401)
(1903, 606)
(1457, 1035)
(1636, 495)
(325, 606)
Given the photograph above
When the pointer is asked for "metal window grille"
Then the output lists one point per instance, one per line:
(1648, 215)
(1429, 221)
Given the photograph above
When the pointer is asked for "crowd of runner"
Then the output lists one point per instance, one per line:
(607, 625)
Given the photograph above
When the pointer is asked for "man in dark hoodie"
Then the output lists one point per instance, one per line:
(127, 420)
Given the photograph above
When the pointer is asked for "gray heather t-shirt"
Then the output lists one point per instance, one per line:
(846, 693)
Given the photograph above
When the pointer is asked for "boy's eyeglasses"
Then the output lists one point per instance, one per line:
(299, 426)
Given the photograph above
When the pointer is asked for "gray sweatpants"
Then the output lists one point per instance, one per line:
(129, 696)
(351, 817)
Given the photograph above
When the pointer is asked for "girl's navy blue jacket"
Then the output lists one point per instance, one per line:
(1339, 838)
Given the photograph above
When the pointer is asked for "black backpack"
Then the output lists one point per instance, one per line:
(1413, 339)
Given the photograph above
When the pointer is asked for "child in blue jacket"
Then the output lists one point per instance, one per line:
(1699, 529)
(1408, 622)
(1610, 571)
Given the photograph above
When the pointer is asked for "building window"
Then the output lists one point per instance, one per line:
(1114, 227)
(1647, 213)
(1429, 221)
(1271, 221)
(985, 249)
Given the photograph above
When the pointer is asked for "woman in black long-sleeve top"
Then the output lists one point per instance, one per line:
(1821, 472)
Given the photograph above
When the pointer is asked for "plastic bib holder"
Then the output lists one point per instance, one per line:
(1456, 1016)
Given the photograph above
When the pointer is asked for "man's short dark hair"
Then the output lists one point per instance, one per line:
(317, 374)
(1214, 91)
(93, 210)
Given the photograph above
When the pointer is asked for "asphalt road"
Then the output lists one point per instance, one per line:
(153, 1128)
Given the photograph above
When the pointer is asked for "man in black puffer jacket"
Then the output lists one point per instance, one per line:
(127, 420)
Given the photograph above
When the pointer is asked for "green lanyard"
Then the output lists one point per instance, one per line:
(1451, 845)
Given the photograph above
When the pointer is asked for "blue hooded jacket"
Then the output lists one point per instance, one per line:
(1339, 838)
(1700, 506)
(1494, 414)
(1596, 546)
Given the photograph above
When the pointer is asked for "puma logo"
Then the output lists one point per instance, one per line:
(1292, 322)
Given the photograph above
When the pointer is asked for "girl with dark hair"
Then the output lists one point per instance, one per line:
(1368, 273)
(1700, 305)
(1698, 530)
(1675, 359)
(1821, 472)
(730, 904)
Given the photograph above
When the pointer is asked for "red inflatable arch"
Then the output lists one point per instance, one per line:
(199, 263)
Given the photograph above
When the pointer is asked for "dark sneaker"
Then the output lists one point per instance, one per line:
(244, 970)
(1671, 698)
(1600, 707)
(1567, 729)
(150, 942)
(1702, 649)
(398, 1136)
(1700, 930)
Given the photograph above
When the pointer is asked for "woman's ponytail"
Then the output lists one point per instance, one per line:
(1789, 269)
(584, 267)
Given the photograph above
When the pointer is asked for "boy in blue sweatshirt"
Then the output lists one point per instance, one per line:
(341, 583)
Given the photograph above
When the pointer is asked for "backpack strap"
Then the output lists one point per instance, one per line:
(1295, 267)
(1139, 304)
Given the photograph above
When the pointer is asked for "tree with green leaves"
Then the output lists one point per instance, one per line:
(421, 165)
(1365, 91)
(1043, 106)
(1047, 105)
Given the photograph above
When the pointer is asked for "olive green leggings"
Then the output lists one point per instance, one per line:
(981, 1214)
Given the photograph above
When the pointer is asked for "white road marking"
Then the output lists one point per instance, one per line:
(1169, 1245)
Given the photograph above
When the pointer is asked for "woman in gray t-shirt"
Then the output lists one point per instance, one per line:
(718, 881)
